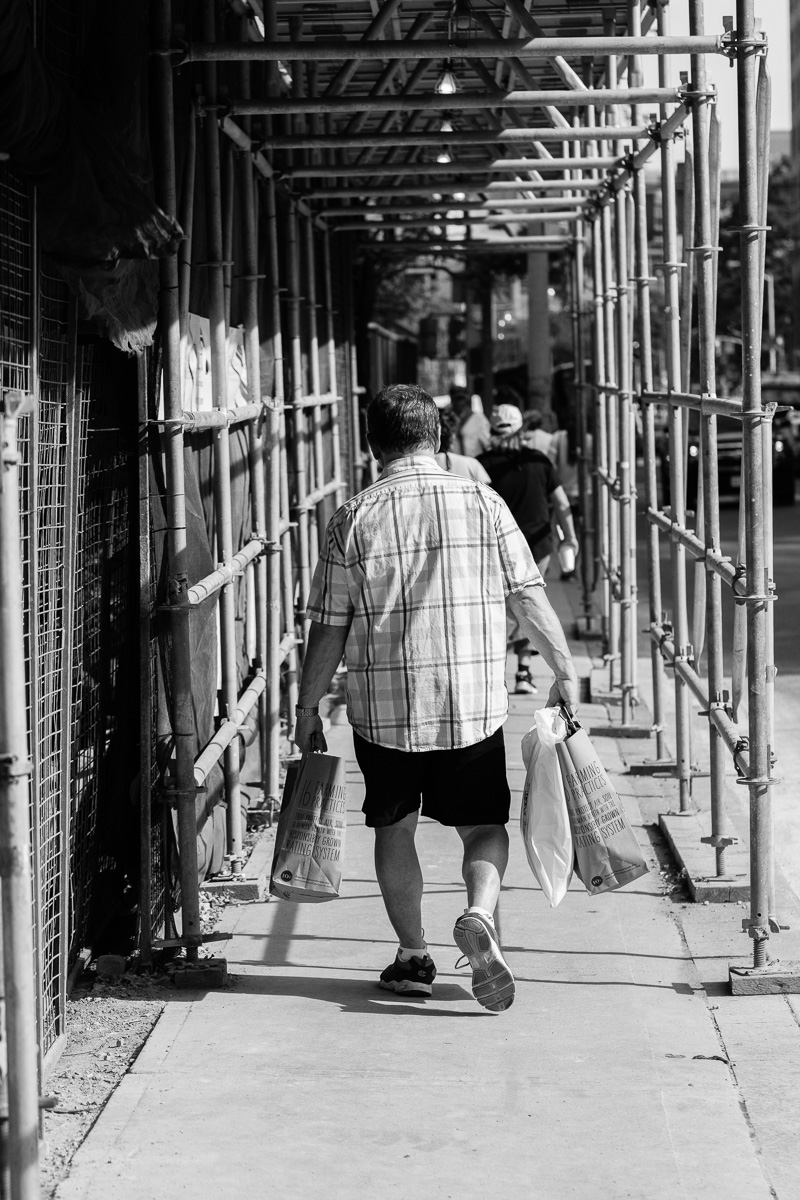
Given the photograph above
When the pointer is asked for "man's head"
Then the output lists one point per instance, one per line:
(460, 400)
(402, 419)
(506, 420)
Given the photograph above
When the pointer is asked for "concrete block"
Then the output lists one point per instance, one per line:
(254, 883)
(201, 975)
(683, 832)
(111, 966)
(777, 979)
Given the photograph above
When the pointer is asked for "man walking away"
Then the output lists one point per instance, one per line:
(527, 481)
(412, 587)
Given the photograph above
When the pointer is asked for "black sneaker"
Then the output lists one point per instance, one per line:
(523, 684)
(412, 978)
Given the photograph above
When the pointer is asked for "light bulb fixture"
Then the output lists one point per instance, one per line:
(461, 21)
(443, 156)
(446, 126)
(447, 84)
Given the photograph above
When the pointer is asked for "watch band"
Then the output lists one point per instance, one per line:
(301, 711)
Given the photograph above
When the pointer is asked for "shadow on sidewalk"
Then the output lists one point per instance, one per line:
(355, 995)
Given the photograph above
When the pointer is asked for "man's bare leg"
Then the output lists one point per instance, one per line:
(485, 862)
(400, 879)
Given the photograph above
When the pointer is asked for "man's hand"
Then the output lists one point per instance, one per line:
(564, 691)
(308, 735)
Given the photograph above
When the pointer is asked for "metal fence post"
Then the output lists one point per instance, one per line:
(16, 890)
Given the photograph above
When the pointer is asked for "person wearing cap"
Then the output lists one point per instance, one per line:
(528, 482)
(459, 464)
(415, 576)
(473, 433)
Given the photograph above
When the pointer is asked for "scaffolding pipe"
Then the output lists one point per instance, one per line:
(600, 444)
(671, 267)
(318, 449)
(751, 237)
(705, 250)
(218, 348)
(469, 137)
(381, 51)
(446, 188)
(478, 207)
(330, 350)
(643, 281)
(222, 739)
(457, 101)
(19, 1072)
(299, 435)
(250, 280)
(470, 166)
(183, 730)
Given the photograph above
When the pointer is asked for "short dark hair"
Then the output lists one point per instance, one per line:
(402, 418)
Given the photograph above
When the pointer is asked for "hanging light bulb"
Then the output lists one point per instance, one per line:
(461, 21)
(443, 156)
(447, 83)
(446, 126)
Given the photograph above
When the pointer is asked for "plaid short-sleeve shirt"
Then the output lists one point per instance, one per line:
(419, 566)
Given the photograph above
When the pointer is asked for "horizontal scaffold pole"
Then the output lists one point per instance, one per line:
(471, 137)
(429, 101)
(506, 246)
(475, 208)
(417, 169)
(502, 186)
(380, 51)
(514, 218)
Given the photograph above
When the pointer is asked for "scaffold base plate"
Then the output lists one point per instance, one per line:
(697, 862)
(201, 975)
(652, 766)
(253, 884)
(776, 979)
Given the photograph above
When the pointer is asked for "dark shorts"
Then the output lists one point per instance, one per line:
(457, 787)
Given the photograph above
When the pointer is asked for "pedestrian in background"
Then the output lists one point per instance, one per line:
(411, 588)
(528, 482)
(473, 433)
(459, 464)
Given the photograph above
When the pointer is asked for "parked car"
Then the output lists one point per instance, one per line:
(729, 459)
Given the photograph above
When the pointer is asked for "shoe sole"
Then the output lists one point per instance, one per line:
(526, 690)
(492, 982)
(405, 987)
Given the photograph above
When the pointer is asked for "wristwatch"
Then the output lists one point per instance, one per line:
(301, 711)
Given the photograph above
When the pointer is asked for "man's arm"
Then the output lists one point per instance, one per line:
(539, 623)
(563, 513)
(325, 651)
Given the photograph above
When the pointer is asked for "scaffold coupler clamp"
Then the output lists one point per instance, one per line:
(730, 42)
(756, 930)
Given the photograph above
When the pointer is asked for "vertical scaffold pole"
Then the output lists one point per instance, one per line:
(672, 289)
(642, 280)
(585, 525)
(314, 365)
(299, 434)
(753, 416)
(330, 348)
(218, 337)
(706, 260)
(183, 786)
(624, 464)
(21, 1069)
(600, 451)
(280, 571)
(613, 448)
(255, 431)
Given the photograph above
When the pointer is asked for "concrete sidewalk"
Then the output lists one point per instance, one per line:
(610, 1076)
